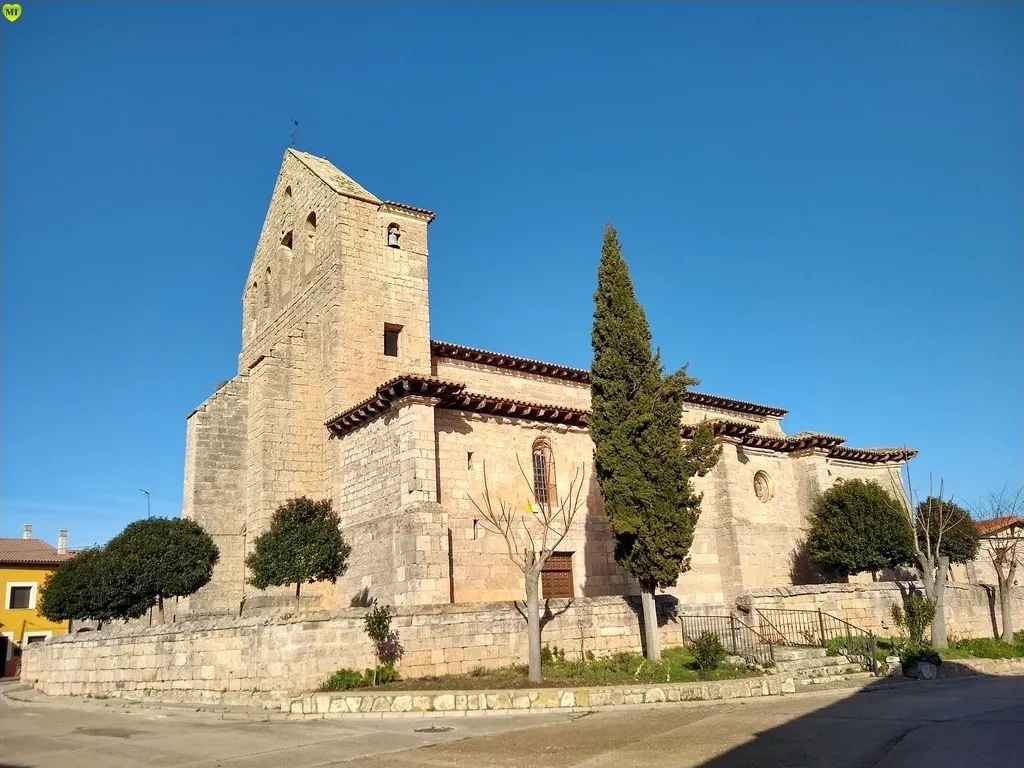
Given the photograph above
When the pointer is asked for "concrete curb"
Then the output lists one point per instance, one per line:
(26, 696)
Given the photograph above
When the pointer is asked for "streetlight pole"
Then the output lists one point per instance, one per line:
(148, 513)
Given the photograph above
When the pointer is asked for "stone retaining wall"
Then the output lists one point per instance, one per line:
(965, 667)
(971, 609)
(219, 659)
(540, 700)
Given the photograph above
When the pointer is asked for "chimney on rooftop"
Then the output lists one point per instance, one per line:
(27, 532)
(62, 541)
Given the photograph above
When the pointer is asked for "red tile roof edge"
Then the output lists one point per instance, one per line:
(451, 351)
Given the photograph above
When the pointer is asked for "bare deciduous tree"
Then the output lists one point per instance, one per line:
(932, 519)
(1002, 531)
(532, 532)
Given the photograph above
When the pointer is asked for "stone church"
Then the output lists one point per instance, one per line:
(341, 393)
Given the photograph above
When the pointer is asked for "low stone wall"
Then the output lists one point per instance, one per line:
(229, 660)
(971, 609)
(965, 667)
(541, 700)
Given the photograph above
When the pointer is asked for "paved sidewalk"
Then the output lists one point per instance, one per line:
(966, 723)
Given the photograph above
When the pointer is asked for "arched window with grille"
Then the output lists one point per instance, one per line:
(544, 473)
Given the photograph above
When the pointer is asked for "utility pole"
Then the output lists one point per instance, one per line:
(148, 513)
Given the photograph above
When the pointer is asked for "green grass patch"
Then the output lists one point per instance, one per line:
(982, 648)
(676, 665)
(970, 648)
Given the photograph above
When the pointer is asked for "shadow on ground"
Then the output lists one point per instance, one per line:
(971, 722)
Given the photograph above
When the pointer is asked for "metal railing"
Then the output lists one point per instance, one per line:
(738, 637)
(783, 626)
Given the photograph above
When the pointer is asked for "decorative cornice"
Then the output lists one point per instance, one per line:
(385, 397)
(872, 455)
(725, 428)
(730, 404)
(450, 395)
(471, 402)
(410, 210)
(447, 350)
(831, 445)
(458, 352)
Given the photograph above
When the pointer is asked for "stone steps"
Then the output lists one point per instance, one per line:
(830, 670)
(861, 675)
(789, 653)
(795, 665)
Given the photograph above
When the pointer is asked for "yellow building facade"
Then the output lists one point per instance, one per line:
(25, 565)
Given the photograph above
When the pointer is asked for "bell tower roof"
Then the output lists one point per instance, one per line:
(332, 177)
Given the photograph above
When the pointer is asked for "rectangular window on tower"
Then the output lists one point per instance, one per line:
(391, 334)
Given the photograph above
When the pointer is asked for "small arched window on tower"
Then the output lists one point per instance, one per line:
(254, 293)
(286, 241)
(266, 290)
(394, 232)
(287, 191)
(309, 247)
(544, 473)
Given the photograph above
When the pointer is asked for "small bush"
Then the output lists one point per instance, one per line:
(386, 645)
(386, 673)
(1018, 638)
(913, 654)
(708, 651)
(552, 655)
(914, 617)
(343, 680)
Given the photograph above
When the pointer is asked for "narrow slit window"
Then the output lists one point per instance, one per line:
(543, 473)
(391, 334)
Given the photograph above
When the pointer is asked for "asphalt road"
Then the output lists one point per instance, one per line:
(967, 723)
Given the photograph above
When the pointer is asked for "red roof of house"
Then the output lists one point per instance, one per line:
(997, 524)
(29, 552)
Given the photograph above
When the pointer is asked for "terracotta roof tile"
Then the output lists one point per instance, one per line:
(451, 351)
(996, 524)
(421, 212)
(29, 552)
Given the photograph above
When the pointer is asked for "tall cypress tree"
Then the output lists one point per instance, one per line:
(642, 466)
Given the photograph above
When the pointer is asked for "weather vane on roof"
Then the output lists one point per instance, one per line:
(295, 130)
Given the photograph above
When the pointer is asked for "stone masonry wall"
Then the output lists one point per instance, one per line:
(467, 444)
(204, 660)
(971, 610)
(386, 499)
(214, 492)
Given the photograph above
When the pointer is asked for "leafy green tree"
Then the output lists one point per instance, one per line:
(170, 557)
(92, 585)
(642, 466)
(304, 544)
(857, 526)
(960, 540)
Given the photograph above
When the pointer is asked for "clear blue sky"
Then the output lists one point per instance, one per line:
(821, 205)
